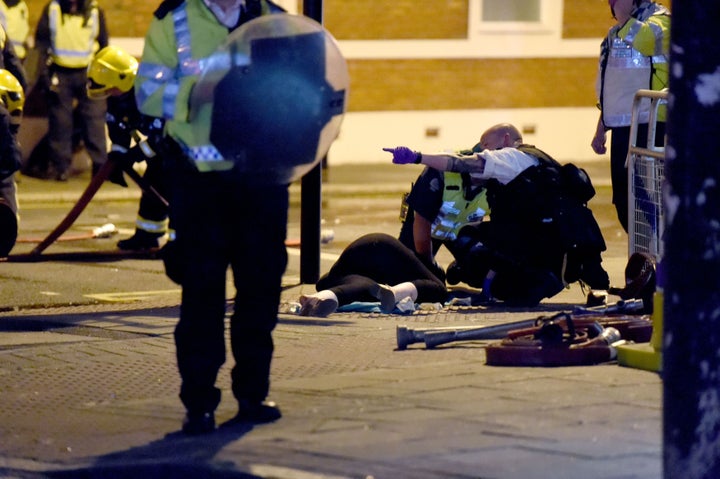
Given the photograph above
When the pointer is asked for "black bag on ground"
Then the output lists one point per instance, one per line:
(576, 183)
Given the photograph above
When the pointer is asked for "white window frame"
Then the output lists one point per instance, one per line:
(549, 22)
(290, 5)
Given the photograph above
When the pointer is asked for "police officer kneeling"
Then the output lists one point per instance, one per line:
(541, 235)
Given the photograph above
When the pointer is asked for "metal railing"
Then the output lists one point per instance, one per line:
(646, 176)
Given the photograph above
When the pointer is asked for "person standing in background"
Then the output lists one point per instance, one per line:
(14, 18)
(633, 56)
(68, 34)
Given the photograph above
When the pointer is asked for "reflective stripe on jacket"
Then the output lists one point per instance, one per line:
(73, 38)
(177, 48)
(456, 211)
(634, 57)
(15, 21)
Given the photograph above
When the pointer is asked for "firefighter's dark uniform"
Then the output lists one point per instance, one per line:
(10, 61)
(66, 43)
(10, 154)
(221, 217)
(10, 158)
(124, 122)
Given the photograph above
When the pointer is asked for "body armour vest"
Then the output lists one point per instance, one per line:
(457, 211)
(627, 70)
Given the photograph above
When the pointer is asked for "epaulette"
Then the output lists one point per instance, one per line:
(539, 154)
(166, 7)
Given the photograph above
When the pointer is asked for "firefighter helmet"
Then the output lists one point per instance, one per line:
(12, 95)
(112, 67)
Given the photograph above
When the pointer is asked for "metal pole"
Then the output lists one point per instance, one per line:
(690, 269)
(311, 195)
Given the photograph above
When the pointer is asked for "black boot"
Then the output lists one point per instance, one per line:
(197, 423)
(141, 240)
(8, 228)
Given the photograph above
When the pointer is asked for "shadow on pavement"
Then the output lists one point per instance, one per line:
(175, 456)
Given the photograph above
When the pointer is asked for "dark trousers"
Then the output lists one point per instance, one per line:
(379, 258)
(151, 208)
(71, 87)
(8, 193)
(8, 215)
(227, 219)
(525, 257)
(619, 146)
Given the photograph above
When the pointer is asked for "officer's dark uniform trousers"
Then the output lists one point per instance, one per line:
(221, 219)
(619, 146)
(72, 85)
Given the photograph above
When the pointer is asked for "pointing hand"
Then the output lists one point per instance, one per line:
(403, 155)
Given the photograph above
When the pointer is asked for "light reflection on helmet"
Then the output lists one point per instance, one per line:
(112, 67)
(12, 96)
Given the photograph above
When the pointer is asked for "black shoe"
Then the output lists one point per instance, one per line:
(35, 172)
(593, 274)
(8, 229)
(198, 423)
(141, 240)
(63, 176)
(596, 298)
(257, 413)
(453, 274)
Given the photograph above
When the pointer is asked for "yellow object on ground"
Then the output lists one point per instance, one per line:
(647, 356)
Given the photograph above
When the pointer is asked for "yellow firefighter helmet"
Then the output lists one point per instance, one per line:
(110, 68)
(12, 95)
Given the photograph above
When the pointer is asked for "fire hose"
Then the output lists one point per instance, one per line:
(87, 195)
(560, 340)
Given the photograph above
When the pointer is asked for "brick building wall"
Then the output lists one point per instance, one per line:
(428, 84)
(125, 18)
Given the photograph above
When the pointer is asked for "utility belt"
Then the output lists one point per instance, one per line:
(169, 148)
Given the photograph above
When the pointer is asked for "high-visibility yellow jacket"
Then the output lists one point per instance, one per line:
(182, 35)
(73, 38)
(634, 56)
(456, 211)
(69, 39)
(14, 18)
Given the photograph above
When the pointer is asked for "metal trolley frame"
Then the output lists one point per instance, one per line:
(645, 166)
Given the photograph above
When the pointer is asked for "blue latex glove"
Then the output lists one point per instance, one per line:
(403, 155)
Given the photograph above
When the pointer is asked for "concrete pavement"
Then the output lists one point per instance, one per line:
(91, 392)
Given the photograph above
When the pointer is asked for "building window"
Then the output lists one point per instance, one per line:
(510, 11)
(511, 16)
